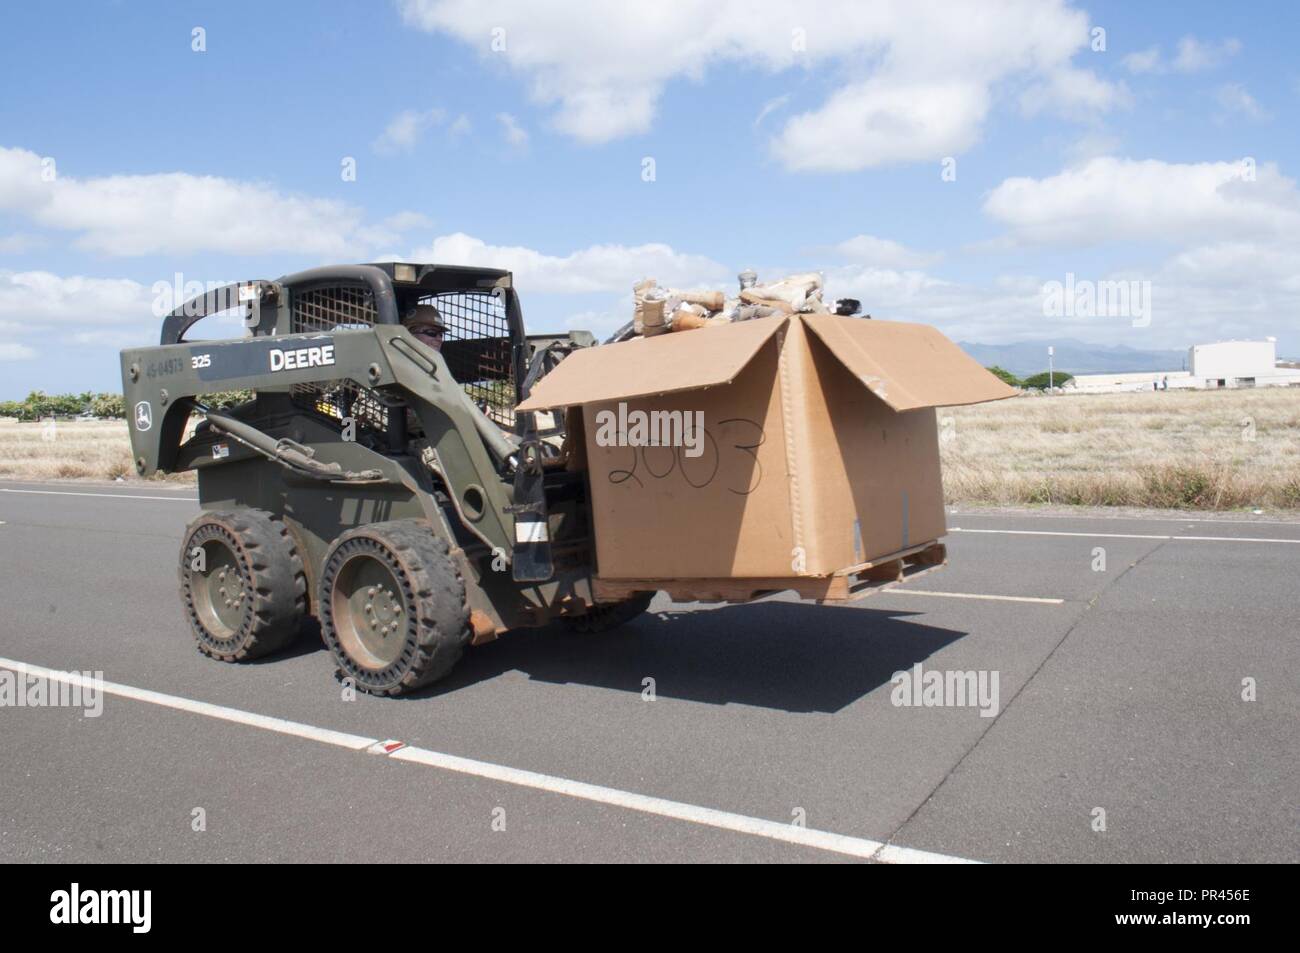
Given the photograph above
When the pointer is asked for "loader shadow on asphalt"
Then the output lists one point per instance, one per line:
(781, 655)
(307, 642)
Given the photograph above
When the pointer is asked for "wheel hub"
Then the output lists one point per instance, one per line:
(369, 612)
(221, 593)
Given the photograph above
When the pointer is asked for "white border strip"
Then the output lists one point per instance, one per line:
(1203, 539)
(265, 722)
(1118, 517)
(108, 496)
(707, 816)
(677, 810)
(978, 595)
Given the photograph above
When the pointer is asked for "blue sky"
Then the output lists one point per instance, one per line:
(784, 136)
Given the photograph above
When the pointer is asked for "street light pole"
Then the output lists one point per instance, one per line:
(1051, 352)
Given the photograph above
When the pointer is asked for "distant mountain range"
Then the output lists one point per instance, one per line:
(1074, 357)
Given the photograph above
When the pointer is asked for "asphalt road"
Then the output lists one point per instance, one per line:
(1120, 689)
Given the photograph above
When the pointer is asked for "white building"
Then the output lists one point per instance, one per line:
(1233, 363)
(1221, 364)
(1135, 381)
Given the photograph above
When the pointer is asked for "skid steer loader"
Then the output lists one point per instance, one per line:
(385, 487)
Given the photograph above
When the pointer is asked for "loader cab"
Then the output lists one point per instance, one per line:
(484, 347)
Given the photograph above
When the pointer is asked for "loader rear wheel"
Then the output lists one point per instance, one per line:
(392, 606)
(610, 615)
(242, 584)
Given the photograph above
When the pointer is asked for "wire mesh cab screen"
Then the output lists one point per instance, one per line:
(478, 352)
(477, 349)
(334, 309)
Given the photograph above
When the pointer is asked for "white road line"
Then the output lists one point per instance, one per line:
(1117, 517)
(265, 722)
(893, 854)
(110, 496)
(678, 810)
(976, 595)
(1203, 539)
(707, 816)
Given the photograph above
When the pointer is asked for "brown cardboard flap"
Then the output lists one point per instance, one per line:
(908, 366)
(691, 360)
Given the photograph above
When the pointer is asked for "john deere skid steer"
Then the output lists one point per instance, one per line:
(383, 486)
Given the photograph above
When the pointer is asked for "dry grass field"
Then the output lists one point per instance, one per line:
(1177, 449)
(68, 450)
(1214, 450)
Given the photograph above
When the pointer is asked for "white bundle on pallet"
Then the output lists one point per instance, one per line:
(796, 293)
(659, 310)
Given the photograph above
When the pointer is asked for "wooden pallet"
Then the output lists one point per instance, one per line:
(851, 583)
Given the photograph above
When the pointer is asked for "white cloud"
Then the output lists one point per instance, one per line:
(39, 306)
(597, 268)
(1075, 93)
(176, 213)
(605, 66)
(1090, 145)
(1193, 56)
(1236, 270)
(1208, 293)
(514, 133)
(877, 123)
(1144, 61)
(882, 253)
(1233, 98)
(769, 107)
(406, 221)
(601, 323)
(18, 243)
(105, 314)
(404, 130)
(10, 351)
(460, 126)
(32, 298)
(1006, 308)
(1109, 199)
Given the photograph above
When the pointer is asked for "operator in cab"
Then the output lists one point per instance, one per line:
(425, 324)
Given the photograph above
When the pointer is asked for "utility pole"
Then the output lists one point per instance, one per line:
(1051, 352)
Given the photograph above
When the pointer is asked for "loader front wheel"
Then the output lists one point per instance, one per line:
(392, 607)
(242, 584)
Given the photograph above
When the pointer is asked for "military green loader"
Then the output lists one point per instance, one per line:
(385, 486)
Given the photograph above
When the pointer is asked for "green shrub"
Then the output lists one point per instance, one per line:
(225, 399)
(1179, 488)
(1039, 381)
(39, 404)
(108, 405)
(1005, 376)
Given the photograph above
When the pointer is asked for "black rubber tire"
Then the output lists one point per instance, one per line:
(436, 610)
(607, 616)
(270, 578)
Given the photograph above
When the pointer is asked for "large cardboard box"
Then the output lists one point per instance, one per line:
(819, 449)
